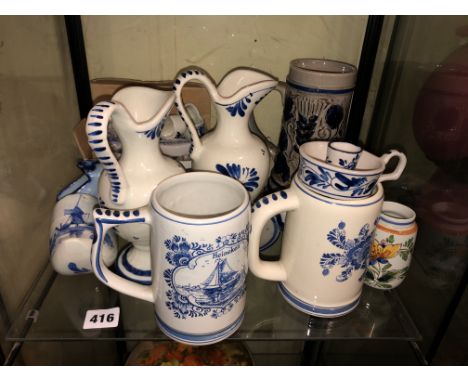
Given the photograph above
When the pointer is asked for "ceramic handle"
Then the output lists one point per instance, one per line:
(264, 210)
(399, 168)
(96, 130)
(105, 219)
(281, 89)
(184, 77)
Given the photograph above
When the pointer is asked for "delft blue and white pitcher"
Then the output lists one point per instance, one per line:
(137, 115)
(199, 236)
(325, 247)
(231, 148)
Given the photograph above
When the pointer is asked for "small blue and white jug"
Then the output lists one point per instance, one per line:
(199, 236)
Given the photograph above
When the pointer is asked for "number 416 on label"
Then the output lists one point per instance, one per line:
(102, 318)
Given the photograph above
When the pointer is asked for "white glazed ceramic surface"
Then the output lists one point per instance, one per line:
(71, 254)
(392, 246)
(137, 115)
(339, 183)
(343, 154)
(199, 236)
(71, 235)
(230, 149)
(75, 207)
(325, 248)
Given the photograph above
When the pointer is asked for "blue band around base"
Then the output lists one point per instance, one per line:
(199, 339)
(314, 310)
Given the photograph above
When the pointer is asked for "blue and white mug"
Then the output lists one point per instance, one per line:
(324, 250)
(199, 225)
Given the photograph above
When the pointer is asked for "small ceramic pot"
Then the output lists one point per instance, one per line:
(71, 235)
(77, 208)
(343, 154)
(70, 249)
(392, 246)
(339, 183)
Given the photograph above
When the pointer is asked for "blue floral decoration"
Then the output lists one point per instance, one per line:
(246, 175)
(324, 179)
(353, 255)
(239, 107)
(348, 165)
(75, 269)
(155, 132)
(334, 116)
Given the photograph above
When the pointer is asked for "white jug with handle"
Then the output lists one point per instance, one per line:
(325, 247)
(230, 149)
(137, 115)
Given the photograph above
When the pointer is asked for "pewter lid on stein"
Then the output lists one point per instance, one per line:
(320, 73)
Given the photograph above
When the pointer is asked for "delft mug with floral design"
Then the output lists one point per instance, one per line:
(392, 246)
(324, 251)
(199, 225)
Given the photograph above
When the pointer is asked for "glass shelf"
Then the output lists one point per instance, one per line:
(56, 307)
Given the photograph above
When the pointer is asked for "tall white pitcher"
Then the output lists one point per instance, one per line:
(137, 114)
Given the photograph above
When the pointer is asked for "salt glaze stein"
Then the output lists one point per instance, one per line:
(392, 246)
(317, 100)
(230, 148)
(325, 246)
(199, 225)
(137, 114)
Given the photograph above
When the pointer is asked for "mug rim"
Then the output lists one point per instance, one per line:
(332, 144)
(193, 220)
(344, 80)
(350, 68)
(390, 206)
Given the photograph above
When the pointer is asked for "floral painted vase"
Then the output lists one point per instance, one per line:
(392, 247)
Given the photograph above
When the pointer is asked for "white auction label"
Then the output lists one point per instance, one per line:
(102, 318)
